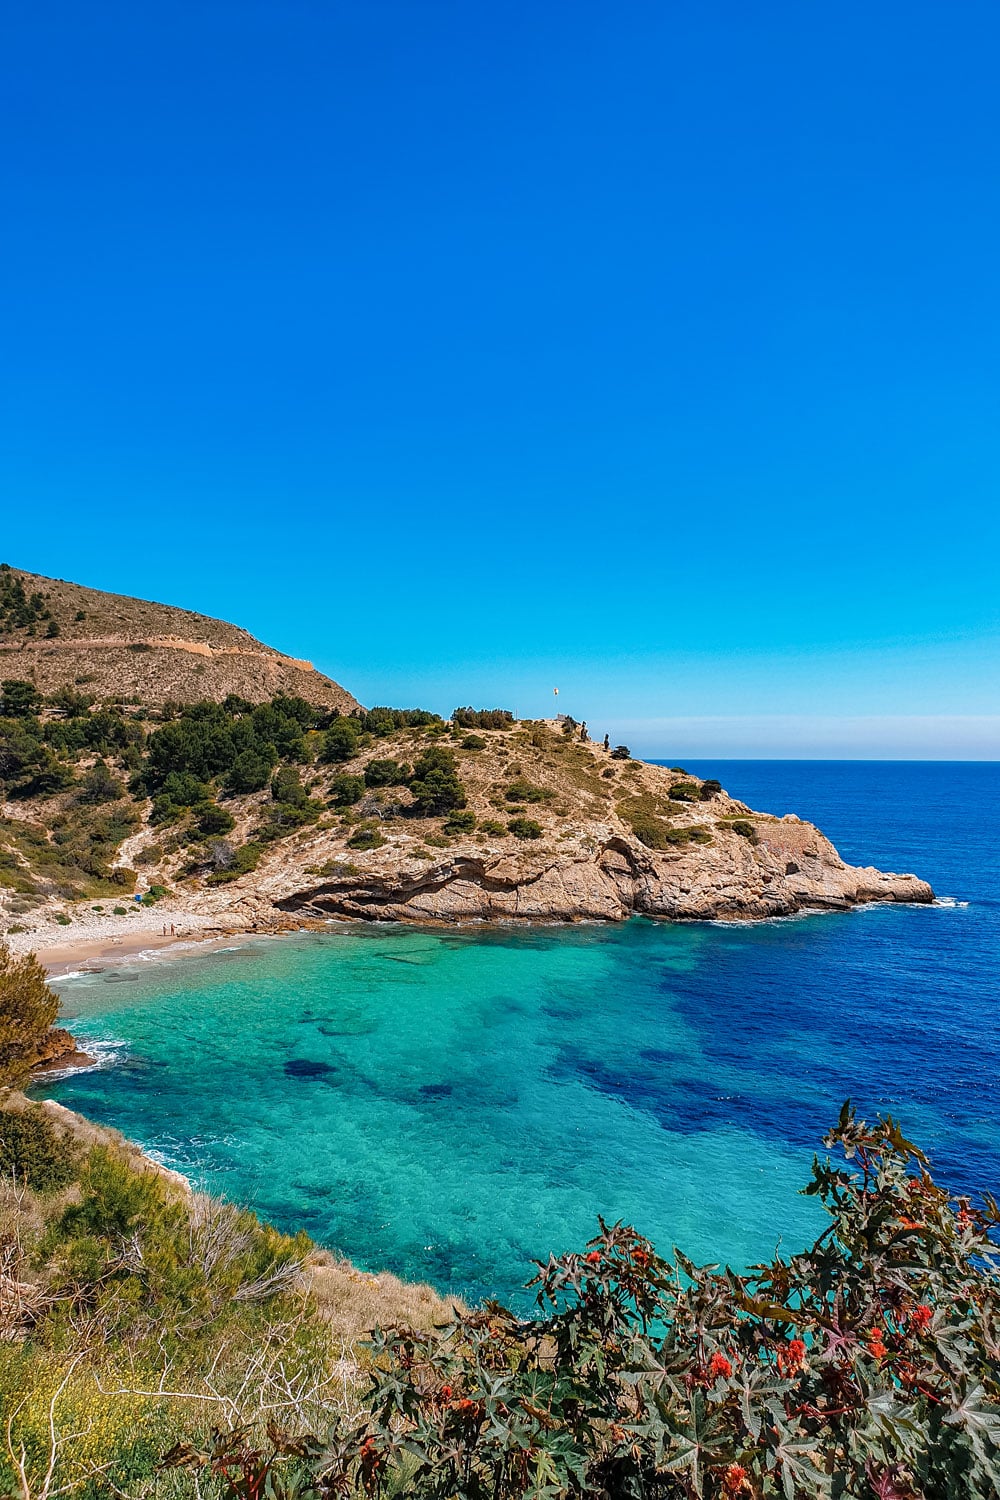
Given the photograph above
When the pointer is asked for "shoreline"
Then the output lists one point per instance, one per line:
(103, 941)
(104, 944)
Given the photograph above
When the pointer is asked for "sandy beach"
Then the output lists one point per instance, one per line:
(97, 940)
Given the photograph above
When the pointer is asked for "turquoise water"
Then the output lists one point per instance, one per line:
(450, 1105)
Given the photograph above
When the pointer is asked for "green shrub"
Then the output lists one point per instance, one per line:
(383, 721)
(244, 859)
(460, 822)
(621, 752)
(523, 791)
(710, 788)
(346, 790)
(745, 829)
(213, 819)
(100, 785)
(366, 838)
(656, 833)
(482, 718)
(524, 828)
(34, 1152)
(684, 791)
(120, 911)
(435, 786)
(154, 894)
(473, 742)
(63, 919)
(651, 831)
(493, 828)
(28, 1009)
(341, 740)
(251, 770)
(20, 700)
(287, 788)
(386, 773)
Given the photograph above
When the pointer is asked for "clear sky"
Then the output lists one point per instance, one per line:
(646, 350)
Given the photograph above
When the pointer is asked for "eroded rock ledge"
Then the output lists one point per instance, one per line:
(792, 867)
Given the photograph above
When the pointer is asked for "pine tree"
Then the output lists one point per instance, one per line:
(27, 1010)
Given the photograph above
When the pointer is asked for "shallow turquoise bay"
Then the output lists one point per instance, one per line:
(450, 1106)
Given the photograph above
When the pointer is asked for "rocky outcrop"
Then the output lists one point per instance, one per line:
(790, 869)
(59, 1050)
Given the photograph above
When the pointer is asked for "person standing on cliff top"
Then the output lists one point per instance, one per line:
(607, 742)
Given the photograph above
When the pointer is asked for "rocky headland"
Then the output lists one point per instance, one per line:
(274, 800)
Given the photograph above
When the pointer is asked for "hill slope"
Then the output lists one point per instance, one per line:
(155, 752)
(57, 634)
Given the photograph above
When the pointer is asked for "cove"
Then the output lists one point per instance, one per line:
(449, 1105)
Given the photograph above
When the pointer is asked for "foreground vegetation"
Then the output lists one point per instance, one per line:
(134, 1314)
(159, 1343)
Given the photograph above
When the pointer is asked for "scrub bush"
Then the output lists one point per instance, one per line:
(435, 785)
(28, 1009)
(386, 773)
(522, 791)
(482, 718)
(34, 1152)
(346, 790)
(685, 791)
(366, 838)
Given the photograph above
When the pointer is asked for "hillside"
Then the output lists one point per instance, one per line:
(238, 816)
(62, 635)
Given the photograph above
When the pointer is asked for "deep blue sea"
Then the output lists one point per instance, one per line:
(449, 1105)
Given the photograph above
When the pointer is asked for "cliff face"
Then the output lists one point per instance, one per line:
(134, 651)
(617, 880)
(607, 876)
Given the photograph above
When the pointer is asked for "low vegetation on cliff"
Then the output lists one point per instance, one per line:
(160, 1343)
(199, 793)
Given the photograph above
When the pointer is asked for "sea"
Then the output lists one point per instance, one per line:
(455, 1105)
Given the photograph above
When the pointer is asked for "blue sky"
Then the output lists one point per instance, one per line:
(648, 351)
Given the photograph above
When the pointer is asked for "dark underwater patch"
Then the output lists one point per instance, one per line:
(307, 1067)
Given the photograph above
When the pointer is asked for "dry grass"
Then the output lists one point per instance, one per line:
(353, 1302)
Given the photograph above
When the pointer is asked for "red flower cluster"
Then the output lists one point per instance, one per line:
(719, 1365)
(593, 1258)
(876, 1346)
(921, 1316)
(735, 1481)
(792, 1357)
